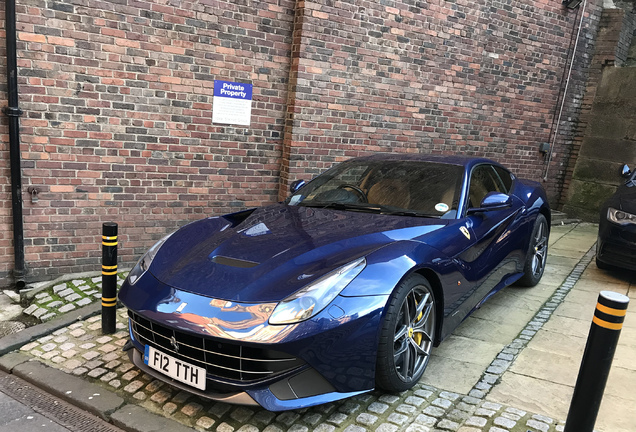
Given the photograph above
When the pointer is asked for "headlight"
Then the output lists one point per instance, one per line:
(317, 295)
(144, 263)
(620, 217)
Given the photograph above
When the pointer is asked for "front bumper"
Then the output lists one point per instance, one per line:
(239, 398)
(329, 357)
(617, 245)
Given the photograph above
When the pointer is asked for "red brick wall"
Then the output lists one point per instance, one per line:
(479, 78)
(117, 97)
(117, 100)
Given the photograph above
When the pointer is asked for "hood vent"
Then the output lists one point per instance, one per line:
(233, 262)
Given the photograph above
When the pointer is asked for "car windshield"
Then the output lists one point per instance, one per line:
(408, 188)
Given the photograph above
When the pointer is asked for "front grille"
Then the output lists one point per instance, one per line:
(627, 235)
(619, 254)
(219, 358)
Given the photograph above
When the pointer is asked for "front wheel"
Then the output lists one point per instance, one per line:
(407, 335)
(537, 255)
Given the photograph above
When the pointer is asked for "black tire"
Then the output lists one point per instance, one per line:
(537, 255)
(407, 335)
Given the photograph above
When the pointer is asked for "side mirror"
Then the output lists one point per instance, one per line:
(625, 171)
(296, 185)
(493, 201)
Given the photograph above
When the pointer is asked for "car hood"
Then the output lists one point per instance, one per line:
(276, 250)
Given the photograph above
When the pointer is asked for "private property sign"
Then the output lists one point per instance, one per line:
(232, 103)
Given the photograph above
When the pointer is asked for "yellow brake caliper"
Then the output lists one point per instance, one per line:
(417, 337)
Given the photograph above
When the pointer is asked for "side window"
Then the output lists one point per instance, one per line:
(506, 177)
(483, 180)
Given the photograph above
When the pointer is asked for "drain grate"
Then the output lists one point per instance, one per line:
(51, 407)
(10, 327)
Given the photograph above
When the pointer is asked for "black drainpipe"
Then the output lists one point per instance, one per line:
(14, 112)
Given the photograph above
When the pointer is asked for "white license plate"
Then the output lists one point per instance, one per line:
(174, 368)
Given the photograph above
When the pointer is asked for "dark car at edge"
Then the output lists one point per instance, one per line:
(616, 245)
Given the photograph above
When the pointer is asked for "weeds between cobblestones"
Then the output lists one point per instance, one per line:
(66, 296)
(81, 350)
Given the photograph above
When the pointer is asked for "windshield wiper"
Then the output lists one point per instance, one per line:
(374, 208)
(409, 213)
(343, 206)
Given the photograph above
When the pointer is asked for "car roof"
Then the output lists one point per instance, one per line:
(461, 160)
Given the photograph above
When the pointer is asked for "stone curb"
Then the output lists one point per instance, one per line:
(76, 391)
(16, 340)
(11, 360)
(91, 397)
(134, 418)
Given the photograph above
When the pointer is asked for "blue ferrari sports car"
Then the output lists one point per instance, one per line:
(344, 287)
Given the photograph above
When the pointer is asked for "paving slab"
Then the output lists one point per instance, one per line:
(593, 272)
(553, 277)
(479, 352)
(513, 300)
(547, 366)
(626, 351)
(565, 251)
(621, 383)
(488, 330)
(568, 326)
(587, 299)
(617, 414)
(588, 284)
(561, 261)
(452, 374)
(533, 394)
(541, 293)
(576, 246)
(557, 343)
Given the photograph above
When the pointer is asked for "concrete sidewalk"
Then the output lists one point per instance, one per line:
(511, 366)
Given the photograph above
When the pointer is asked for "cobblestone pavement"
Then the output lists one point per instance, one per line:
(81, 350)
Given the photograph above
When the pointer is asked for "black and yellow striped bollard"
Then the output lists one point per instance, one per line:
(109, 277)
(597, 360)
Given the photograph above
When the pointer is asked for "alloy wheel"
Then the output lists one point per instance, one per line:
(540, 250)
(413, 338)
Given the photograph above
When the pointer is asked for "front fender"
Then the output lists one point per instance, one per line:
(387, 266)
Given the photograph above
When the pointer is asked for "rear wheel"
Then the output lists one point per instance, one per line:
(537, 255)
(407, 335)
